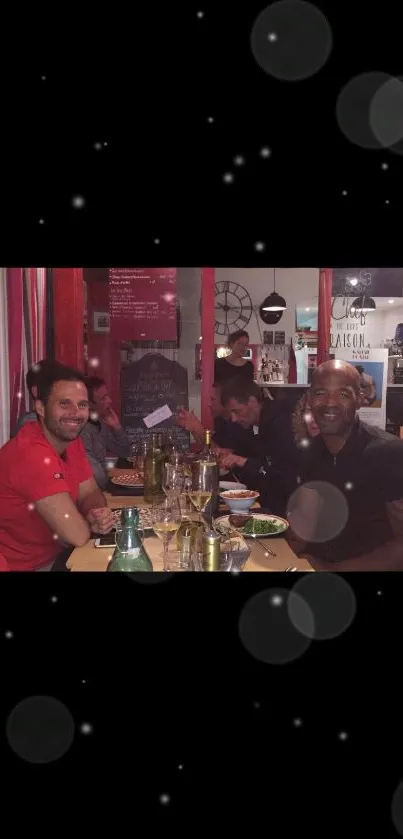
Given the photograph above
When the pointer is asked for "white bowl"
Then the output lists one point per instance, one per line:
(238, 505)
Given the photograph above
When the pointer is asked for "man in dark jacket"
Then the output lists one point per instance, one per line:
(272, 468)
(358, 526)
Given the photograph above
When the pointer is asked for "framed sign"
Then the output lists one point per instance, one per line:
(101, 322)
(279, 339)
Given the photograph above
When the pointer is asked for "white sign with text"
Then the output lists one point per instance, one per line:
(373, 368)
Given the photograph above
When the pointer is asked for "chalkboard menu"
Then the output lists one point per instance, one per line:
(149, 384)
(142, 304)
(279, 339)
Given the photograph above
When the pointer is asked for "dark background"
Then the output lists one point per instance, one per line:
(167, 681)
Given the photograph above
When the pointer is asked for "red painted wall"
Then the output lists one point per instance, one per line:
(98, 342)
(100, 345)
(68, 294)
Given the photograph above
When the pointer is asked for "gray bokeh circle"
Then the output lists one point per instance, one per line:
(386, 113)
(291, 40)
(267, 632)
(397, 809)
(332, 513)
(330, 599)
(40, 729)
(353, 108)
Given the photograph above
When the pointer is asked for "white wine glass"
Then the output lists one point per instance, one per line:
(166, 519)
(201, 492)
(173, 481)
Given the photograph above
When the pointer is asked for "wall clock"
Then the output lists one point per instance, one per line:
(233, 307)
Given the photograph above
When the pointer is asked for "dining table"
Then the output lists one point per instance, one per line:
(90, 558)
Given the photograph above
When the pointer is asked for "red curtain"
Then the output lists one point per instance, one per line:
(26, 333)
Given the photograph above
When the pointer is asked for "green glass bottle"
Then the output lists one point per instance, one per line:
(153, 469)
(129, 555)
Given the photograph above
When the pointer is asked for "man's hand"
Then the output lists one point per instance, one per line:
(111, 419)
(101, 520)
(219, 452)
(228, 461)
(188, 420)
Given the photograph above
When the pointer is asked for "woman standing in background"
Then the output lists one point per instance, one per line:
(234, 364)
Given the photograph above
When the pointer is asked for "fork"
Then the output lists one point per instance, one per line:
(267, 550)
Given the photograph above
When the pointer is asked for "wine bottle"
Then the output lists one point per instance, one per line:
(129, 555)
(153, 470)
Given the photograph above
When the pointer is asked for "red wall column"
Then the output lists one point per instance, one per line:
(68, 295)
(207, 332)
(324, 313)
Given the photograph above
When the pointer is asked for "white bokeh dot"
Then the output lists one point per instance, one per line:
(53, 599)
(210, 119)
(98, 146)
(157, 241)
(200, 14)
(259, 246)
(265, 152)
(343, 735)
(256, 704)
(93, 362)
(276, 600)
(272, 37)
(344, 192)
(239, 160)
(46, 461)
(43, 78)
(31, 507)
(78, 202)
(385, 166)
(348, 486)
(55, 536)
(180, 766)
(387, 201)
(86, 728)
(379, 592)
(228, 178)
(297, 722)
(9, 635)
(41, 221)
(165, 799)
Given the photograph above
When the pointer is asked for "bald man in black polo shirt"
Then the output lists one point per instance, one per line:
(366, 466)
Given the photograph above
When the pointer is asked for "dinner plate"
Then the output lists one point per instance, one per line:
(128, 479)
(282, 525)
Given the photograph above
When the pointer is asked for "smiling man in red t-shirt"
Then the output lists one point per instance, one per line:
(48, 494)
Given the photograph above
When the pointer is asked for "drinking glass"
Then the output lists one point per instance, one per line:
(203, 483)
(173, 480)
(178, 561)
(166, 518)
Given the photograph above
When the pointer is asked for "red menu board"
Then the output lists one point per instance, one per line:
(142, 304)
